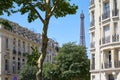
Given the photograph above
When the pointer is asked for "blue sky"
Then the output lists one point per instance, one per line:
(62, 30)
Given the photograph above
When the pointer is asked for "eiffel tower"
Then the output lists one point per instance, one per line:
(82, 31)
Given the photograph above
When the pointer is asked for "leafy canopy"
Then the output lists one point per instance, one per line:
(71, 64)
(34, 8)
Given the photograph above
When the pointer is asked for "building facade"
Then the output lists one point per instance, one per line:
(104, 39)
(15, 43)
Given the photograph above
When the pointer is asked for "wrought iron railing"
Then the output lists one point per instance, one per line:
(117, 64)
(115, 38)
(108, 65)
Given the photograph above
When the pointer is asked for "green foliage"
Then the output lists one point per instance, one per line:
(32, 58)
(6, 24)
(28, 72)
(71, 64)
(6, 6)
(48, 69)
(32, 7)
(63, 8)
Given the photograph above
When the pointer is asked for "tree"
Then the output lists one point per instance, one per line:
(72, 63)
(6, 6)
(28, 72)
(32, 58)
(29, 69)
(57, 8)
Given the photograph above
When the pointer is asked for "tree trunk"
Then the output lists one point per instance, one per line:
(44, 48)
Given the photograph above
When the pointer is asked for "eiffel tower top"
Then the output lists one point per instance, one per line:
(82, 31)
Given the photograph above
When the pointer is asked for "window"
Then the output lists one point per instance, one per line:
(6, 41)
(106, 7)
(14, 44)
(92, 43)
(28, 47)
(19, 65)
(6, 78)
(110, 77)
(115, 28)
(93, 77)
(6, 65)
(93, 61)
(106, 10)
(93, 37)
(19, 46)
(106, 31)
(92, 19)
(23, 46)
(115, 4)
(14, 67)
(109, 59)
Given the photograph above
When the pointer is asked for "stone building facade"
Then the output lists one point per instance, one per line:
(15, 42)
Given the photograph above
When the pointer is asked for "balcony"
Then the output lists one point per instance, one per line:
(117, 64)
(92, 45)
(106, 15)
(7, 72)
(115, 12)
(108, 65)
(106, 40)
(92, 23)
(92, 66)
(115, 38)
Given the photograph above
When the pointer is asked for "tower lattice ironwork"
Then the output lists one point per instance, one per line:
(82, 31)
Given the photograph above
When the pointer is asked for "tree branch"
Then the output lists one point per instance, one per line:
(53, 8)
(40, 17)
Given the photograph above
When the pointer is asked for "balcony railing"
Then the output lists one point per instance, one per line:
(92, 66)
(108, 65)
(117, 64)
(106, 40)
(92, 23)
(115, 12)
(91, 2)
(106, 15)
(92, 44)
(115, 38)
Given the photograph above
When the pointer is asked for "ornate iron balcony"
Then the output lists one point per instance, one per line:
(108, 65)
(117, 64)
(115, 38)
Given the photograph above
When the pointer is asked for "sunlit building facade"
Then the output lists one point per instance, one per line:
(15, 43)
(104, 39)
